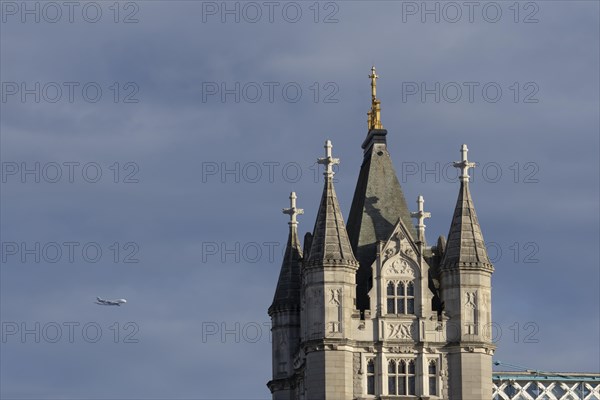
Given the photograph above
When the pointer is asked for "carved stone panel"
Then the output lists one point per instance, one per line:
(444, 375)
(471, 300)
(316, 296)
(357, 375)
(401, 330)
(335, 296)
(400, 267)
(402, 349)
(485, 299)
(335, 327)
(282, 339)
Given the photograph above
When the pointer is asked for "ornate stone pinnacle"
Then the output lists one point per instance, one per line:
(420, 215)
(293, 212)
(328, 161)
(464, 164)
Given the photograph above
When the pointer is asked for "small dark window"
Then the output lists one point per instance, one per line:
(432, 378)
(392, 378)
(370, 377)
(391, 301)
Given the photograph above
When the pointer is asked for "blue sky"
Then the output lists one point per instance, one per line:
(164, 169)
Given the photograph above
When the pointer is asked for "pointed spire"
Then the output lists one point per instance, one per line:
(330, 243)
(374, 115)
(465, 246)
(420, 215)
(378, 200)
(287, 294)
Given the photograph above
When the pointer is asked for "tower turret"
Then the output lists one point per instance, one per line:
(371, 311)
(329, 287)
(465, 278)
(285, 311)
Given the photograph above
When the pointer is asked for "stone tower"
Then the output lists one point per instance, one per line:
(371, 311)
(285, 311)
(465, 278)
(328, 298)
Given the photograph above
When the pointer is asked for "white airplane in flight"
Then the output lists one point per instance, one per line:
(117, 302)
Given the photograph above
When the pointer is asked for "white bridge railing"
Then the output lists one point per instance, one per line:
(521, 386)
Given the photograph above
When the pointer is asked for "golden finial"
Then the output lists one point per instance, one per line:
(373, 77)
(374, 116)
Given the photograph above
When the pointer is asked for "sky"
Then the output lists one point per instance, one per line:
(148, 147)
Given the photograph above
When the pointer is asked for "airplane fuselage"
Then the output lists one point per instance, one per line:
(103, 302)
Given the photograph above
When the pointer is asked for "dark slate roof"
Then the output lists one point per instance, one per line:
(287, 294)
(330, 243)
(377, 204)
(465, 246)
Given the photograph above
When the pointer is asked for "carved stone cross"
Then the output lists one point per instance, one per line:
(464, 164)
(328, 161)
(293, 212)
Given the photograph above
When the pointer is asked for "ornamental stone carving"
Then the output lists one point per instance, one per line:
(401, 331)
(471, 301)
(335, 296)
(401, 349)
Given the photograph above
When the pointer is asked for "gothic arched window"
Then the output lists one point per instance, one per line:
(432, 378)
(392, 377)
(401, 377)
(400, 298)
(391, 298)
(410, 298)
(410, 377)
(370, 377)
